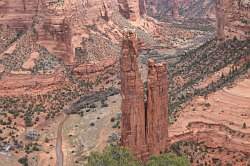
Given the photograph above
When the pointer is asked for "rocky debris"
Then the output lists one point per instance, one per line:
(233, 19)
(88, 100)
(143, 130)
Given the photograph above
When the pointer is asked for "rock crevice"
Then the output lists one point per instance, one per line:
(144, 126)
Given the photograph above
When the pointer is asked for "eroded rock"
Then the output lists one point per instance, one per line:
(143, 130)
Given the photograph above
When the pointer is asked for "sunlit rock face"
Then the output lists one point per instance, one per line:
(144, 130)
(132, 92)
(132, 9)
(18, 13)
(233, 19)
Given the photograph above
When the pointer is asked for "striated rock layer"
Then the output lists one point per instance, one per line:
(233, 19)
(53, 31)
(144, 130)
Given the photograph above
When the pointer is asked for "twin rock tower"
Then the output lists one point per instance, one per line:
(144, 126)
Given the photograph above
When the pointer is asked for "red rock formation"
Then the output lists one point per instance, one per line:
(104, 12)
(18, 13)
(142, 7)
(175, 8)
(132, 92)
(144, 131)
(132, 9)
(30, 84)
(157, 108)
(90, 71)
(53, 32)
(233, 19)
(220, 14)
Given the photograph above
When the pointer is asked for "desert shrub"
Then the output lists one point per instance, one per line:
(118, 156)
(168, 159)
(113, 156)
(23, 161)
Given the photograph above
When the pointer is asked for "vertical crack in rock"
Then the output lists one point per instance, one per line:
(133, 119)
(144, 129)
(157, 107)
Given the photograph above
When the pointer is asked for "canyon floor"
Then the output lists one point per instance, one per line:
(56, 113)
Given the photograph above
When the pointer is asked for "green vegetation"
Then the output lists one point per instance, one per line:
(23, 161)
(118, 156)
(112, 156)
(168, 160)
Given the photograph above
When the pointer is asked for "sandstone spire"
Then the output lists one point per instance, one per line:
(133, 118)
(143, 130)
(175, 8)
(157, 108)
(220, 15)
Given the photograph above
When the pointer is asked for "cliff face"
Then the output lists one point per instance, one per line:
(233, 19)
(132, 9)
(144, 130)
(53, 32)
(157, 106)
(158, 6)
(18, 13)
(184, 8)
(132, 92)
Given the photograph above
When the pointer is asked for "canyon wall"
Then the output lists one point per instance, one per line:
(159, 6)
(53, 32)
(143, 129)
(18, 13)
(233, 19)
(132, 9)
